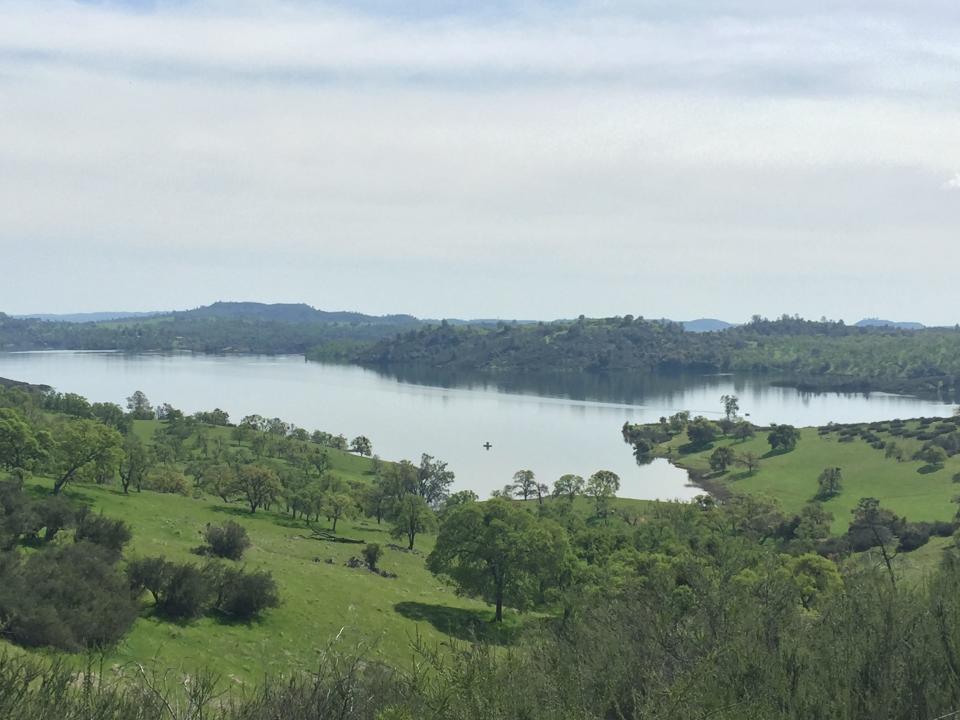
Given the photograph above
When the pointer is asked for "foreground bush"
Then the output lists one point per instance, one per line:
(69, 597)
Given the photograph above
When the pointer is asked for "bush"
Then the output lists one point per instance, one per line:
(151, 574)
(186, 593)
(106, 532)
(70, 597)
(167, 479)
(243, 596)
(229, 540)
(371, 555)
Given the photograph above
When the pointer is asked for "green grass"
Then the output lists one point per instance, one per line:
(909, 488)
(321, 600)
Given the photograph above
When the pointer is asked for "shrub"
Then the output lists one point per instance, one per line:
(229, 540)
(186, 593)
(149, 574)
(243, 596)
(167, 479)
(70, 597)
(371, 554)
(106, 532)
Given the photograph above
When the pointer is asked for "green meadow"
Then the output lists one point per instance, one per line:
(910, 488)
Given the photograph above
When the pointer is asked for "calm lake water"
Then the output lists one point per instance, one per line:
(547, 423)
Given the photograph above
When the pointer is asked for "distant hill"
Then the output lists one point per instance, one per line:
(296, 313)
(88, 317)
(877, 322)
(705, 325)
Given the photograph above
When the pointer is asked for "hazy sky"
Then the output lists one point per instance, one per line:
(672, 158)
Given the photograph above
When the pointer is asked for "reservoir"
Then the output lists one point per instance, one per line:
(549, 423)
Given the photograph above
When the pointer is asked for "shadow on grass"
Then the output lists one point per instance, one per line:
(774, 453)
(467, 625)
(690, 448)
(927, 469)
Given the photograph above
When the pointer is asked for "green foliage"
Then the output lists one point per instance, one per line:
(602, 486)
(830, 483)
(722, 458)
(82, 445)
(111, 534)
(229, 540)
(502, 553)
(783, 438)
(68, 597)
(411, 516)
(371, 555)
(701, 431)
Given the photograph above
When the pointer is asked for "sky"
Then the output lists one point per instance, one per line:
(663, 158)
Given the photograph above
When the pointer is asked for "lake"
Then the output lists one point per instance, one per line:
(551, 424)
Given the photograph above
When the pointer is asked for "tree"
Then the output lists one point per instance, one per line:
(749, 460)
(830, 483)
(337, 505)
(783, 438)
(411, 516)
(361, 446)
(721, 458)
(20, 446)
(873, 526)
(933, 455)
(139, 406)
(731, 406)
(892, 450)
(433, 480)
(376, 499)
(135, 463)
(524, 484)
(602, 487)
(259, 485)
(702, 432)
(742, 431)
(569, 487)
(84, 444)
(220, 480)
(500, 552)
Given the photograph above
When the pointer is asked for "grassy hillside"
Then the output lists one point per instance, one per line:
(910, 487)
(321, 600)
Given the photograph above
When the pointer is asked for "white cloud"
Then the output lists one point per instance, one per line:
(570, 143)
(953, 183)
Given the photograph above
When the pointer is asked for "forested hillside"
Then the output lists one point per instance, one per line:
(218, 328)
(812, 355)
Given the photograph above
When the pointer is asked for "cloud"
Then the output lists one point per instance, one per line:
(561, 141)
(953, 183)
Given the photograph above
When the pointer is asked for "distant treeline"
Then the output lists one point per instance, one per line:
(814, 355)
(219, 328)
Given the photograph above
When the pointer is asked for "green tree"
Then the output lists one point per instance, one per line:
(568, 487)
(701, 431)
(361, 445)
(258, 485)
(933, 455)
(749, 460)
(338, 505)
(501, 552)
(742, 431)
(139, 406)
(411, 516)
(524, 484)
(830, 483)
(83, 444)
(433, 480)
(602, 486)
(721, 459)
(731, 406)
(20, 445)
(783, 438)
(136, 462)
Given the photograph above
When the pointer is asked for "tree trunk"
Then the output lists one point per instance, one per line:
(334, 524)
(499, 616)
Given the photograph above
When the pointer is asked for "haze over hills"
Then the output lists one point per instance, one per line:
(302, 313)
